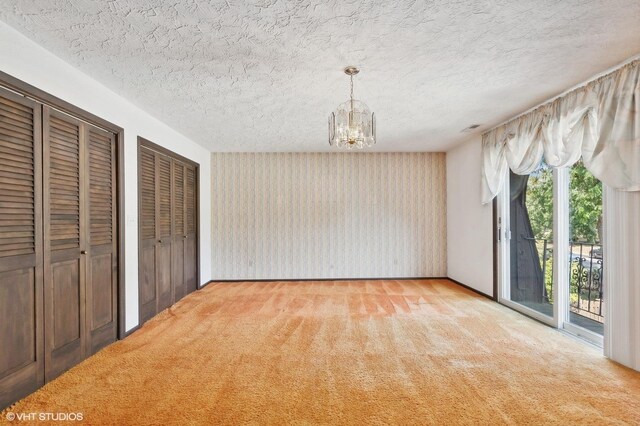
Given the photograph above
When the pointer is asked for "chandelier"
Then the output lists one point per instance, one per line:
(352, 125)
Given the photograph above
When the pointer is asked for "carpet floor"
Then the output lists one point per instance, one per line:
(343, 352)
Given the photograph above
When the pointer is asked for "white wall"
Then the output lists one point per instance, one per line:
(622, 276)
(328, 215)
(27, 61)
(469, 223)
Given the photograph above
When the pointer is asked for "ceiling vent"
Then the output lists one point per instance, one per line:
(470, 128)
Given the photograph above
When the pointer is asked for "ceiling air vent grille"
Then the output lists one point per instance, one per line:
(470, 128)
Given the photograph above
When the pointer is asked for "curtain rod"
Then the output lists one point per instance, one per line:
(593, 78)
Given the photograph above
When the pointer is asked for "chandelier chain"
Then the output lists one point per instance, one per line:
(351, 87)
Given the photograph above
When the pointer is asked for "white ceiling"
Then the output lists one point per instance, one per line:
(263, 75)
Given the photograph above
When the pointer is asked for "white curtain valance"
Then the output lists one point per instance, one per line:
(599, 122)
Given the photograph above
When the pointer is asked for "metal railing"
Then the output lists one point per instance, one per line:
(586, 279)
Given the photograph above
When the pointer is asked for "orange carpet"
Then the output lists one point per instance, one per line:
(360, 352)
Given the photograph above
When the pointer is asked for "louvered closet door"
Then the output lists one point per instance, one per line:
(102, 259)
(163, 250)
(64, 242)
(148, 237)
(21, 250)
(179, 230)
(167, 203)
(191, 241)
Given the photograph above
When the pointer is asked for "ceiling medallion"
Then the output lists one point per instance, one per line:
(352, 125)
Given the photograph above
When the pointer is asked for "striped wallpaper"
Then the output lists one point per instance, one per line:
(328, 215)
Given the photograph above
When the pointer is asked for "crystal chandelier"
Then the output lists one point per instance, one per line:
(352, 125)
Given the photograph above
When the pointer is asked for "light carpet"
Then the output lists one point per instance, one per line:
(343, 352)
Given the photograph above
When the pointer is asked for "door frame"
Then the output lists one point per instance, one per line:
(146, 143)
(31, 92)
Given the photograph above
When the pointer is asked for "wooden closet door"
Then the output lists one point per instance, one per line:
(163, 248)
(21, 250)
(168, 234)
(179, 230)
(102, 259)
(64, 242)
(147, 230)
(191, 240)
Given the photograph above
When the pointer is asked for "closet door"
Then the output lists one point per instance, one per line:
(64, 242)
(21, 250)
(191, 236)
(179, 231)
(163, 249)
(102, 259)
(168, 263)
(147, 230)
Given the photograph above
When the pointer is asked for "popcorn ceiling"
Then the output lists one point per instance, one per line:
(264, 75)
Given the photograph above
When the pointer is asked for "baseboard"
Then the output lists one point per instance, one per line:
(252, 280)
(495, 299)
(204, 285)
(351, 279)
(130, 332)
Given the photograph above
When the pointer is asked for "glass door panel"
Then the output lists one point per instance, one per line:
(531, 240)
(585, 250)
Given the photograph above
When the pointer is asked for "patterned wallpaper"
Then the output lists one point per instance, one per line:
(328, 215)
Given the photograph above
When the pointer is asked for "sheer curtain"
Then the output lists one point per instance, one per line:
(599, 123)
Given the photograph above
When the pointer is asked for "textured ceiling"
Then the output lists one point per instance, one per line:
(263, 75)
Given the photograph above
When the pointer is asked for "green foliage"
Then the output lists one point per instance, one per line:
(540, 202)
(585, 216)
(548, 278)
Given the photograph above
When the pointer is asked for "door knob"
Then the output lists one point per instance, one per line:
(185, 237)
(83, 252)
(160, 241)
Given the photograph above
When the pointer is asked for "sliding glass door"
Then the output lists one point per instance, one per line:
(530, 242)
(550, 252)
(526, 243)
